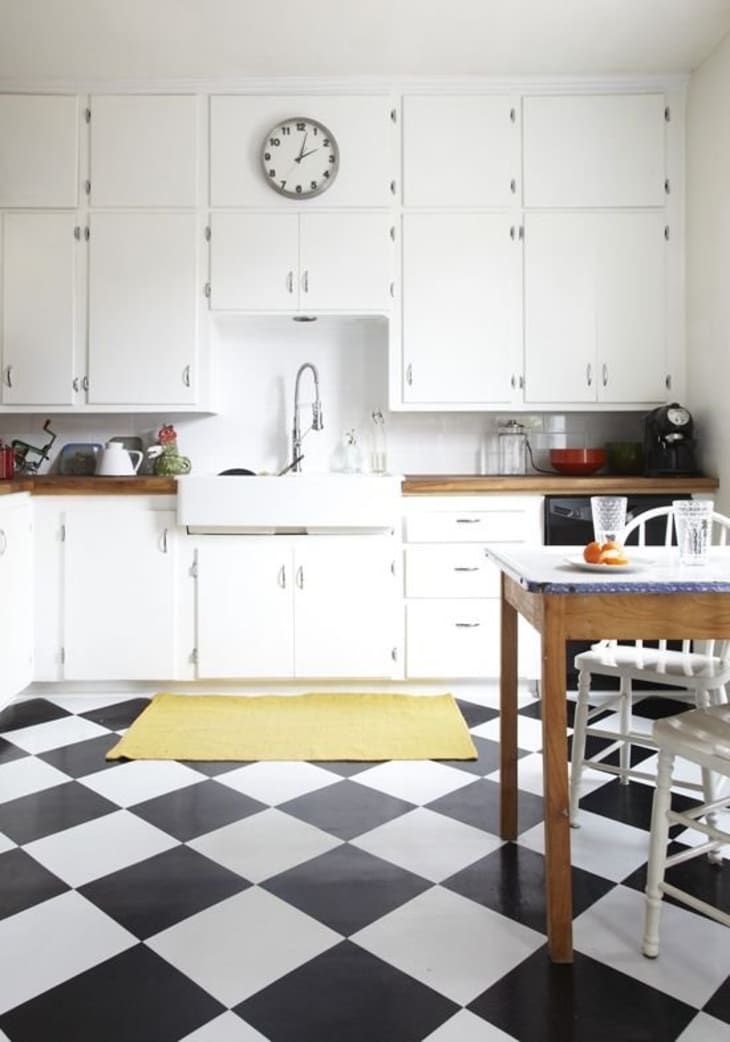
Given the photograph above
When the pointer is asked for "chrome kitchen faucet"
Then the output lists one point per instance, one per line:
(316, 425)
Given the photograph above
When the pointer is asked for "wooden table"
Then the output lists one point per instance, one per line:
(658, 599)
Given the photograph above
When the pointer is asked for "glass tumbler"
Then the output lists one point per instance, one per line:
(609, 518)
(693, 523)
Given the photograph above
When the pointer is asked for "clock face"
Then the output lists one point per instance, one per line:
(300, 158)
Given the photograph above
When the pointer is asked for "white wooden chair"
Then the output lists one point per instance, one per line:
(697, 677)
(703, 737)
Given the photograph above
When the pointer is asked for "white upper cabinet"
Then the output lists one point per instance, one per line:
(143, 308)
(39, 150)
(594, 150)
(241, 125)
(461, 151)
(595, 299)
(143, 150)
(39, 308)
(462, 314)
(314, 262)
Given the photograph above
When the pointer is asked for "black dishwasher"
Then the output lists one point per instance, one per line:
(569, 522)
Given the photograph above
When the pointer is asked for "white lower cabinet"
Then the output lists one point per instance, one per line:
(453, 591)
(314, 606)
(119, 594)
(16, 594)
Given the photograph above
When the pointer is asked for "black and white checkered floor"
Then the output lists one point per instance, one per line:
(324, 902)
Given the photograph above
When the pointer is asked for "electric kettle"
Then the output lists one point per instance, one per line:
(116, 461)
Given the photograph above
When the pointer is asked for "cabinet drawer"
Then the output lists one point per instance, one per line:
(468, 526)
(450, 571)
(452, 639)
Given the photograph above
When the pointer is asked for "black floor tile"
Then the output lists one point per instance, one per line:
(9, 752)
(118, 715)
(82, 758)
(629, 804)
(719, 1004)
(511, 881)
(346, 888)
(51, 810)
(700, 877)
(487, 757)
(540, 1001)
(475, 714)
(346, 995)
(346, 809)
(197, 809)
(156, 893)
(30, 712)
(134, 997)
(25, 883)
(478, 805)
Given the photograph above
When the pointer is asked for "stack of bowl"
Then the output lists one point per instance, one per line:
(577, 462)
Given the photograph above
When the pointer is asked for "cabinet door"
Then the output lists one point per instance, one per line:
(594, 150)
(119, 594)
(244, 608)
(39, 255)
(346, 262)
(346, 608)
(39, 150)
(254, 262)
(461, 151)
(16, 601)
(143, 306)
(560, 308)
(362, 126)
(595, 324)
(143, 150)
(630, 321)
(462, 308)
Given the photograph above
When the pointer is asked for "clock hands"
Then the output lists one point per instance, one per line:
(303, 155)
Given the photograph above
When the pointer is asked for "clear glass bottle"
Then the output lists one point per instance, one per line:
(512, 440)
(378, 449)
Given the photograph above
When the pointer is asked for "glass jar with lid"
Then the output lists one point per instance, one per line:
(512, 445)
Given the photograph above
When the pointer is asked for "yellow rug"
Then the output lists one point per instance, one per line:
(298, 727)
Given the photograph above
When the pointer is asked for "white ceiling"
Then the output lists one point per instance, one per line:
(111, 39)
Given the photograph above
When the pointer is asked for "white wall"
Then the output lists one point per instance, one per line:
(708, 263)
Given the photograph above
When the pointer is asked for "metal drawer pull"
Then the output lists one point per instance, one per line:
(3, 541)
(186, 376)
(290, 281)
(589, 374)
(163, 541)
(604, 374)
(305, 282)
(282, 577)
(466, 568)
(468, 520)
(467, 625)
(300, 577)
(409, 375)
(8, 376)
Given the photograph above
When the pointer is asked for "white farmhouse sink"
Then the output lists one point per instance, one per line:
(292, 503)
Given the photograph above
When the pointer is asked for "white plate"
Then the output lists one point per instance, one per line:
(605, 569)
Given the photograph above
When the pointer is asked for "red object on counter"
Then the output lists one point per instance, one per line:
(577, 462)
(7, 462)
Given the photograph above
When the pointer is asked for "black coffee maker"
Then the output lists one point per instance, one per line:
(669, 443)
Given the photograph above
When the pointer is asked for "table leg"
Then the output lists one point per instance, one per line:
(558, 878)
(508, 720)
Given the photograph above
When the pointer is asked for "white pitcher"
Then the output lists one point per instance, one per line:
(116, 461)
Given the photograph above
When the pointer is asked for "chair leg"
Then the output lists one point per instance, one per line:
(579, 743)
(658, 840)
(625, 717)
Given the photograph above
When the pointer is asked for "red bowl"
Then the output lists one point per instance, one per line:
(577, 462)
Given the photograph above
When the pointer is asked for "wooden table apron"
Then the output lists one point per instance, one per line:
(559, 617)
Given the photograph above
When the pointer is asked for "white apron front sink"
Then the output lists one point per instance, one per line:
(317, 503)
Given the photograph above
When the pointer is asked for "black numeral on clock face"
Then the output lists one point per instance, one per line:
(286, 130)
(274, 142)
(313, 185)
(301, 126)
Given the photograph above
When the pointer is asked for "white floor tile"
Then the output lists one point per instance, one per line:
(56, 733)
(5, 843)
(98, 847)
(241, 945)
(705, 1028)
(226, 1028)
(418, 781)
(277, 782)
(438, 938)
(611, 931)
(605, 847)
(140, 780)
(529, 732)
(466, 1027)
(264, 844)
(51, 942)
(22, 777)
(429, 844)
(78, 703)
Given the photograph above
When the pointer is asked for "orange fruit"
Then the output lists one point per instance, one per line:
(592, 553)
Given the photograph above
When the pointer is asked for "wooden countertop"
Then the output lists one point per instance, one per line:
(547, 484)
(413, 485)
(56, 485)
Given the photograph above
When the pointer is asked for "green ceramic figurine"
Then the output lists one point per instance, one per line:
(167, 460)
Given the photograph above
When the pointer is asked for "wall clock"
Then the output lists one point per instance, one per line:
(300, 158)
